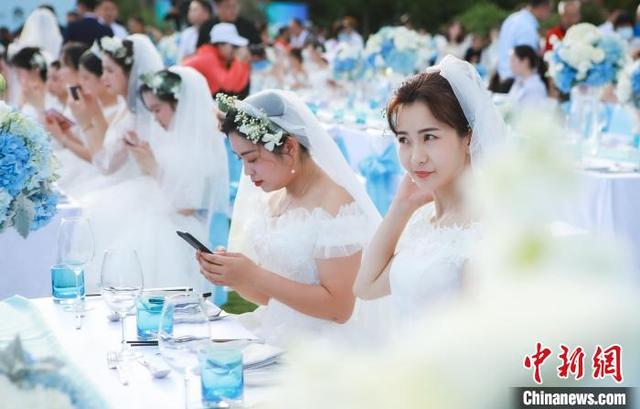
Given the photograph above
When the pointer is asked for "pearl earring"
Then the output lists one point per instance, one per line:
(293, 171)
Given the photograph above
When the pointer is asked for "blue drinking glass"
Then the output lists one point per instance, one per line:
(149, 308)
(63, 284)
(222, 376)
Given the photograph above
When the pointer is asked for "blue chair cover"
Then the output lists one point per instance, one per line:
(381, 172)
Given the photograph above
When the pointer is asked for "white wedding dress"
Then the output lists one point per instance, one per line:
(428, 265)
(288, 245)
(78, 176)
(144, 212)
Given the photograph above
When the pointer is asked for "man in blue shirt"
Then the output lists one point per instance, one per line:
(87, 29)
(520, 28)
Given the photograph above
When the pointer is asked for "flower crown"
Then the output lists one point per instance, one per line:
(164, 83)
(38, 61)
(252, 122)
(116, 48)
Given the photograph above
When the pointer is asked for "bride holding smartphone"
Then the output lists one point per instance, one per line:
(184, 180)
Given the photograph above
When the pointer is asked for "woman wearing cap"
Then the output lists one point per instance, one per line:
(224, 62)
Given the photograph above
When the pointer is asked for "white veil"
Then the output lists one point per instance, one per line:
(289, 112)
(40, 30)
(194, 172)
(145, 59)
(486, 123)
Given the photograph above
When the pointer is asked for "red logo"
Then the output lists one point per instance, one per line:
(606, 362)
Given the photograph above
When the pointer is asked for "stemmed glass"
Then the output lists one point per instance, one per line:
(75, 250)
(121, 284)
(184, 332)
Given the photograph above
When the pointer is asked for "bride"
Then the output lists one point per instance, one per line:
(123, 62)
(184, 181)
(300, 221)
(444, 122)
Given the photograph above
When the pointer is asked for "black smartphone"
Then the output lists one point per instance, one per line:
(74, 92)
(193, 242)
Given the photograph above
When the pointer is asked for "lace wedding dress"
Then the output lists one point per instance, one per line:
(428, 264)
(288, 245)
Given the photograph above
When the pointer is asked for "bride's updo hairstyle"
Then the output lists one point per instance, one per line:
(436, 93)
(272, 106)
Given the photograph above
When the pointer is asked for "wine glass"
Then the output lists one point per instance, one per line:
(184, 332)
(75, 250)
(121, 284)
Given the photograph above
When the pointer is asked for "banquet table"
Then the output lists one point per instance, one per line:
(25, 264)
(88, 346)
(607, 204)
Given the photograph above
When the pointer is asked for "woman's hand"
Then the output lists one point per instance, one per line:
(409, 195)
(54, 128)
(82, 109)
(144, 156)
(230, 269)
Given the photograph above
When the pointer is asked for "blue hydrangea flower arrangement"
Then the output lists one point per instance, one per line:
(586, 56)
(27, 173)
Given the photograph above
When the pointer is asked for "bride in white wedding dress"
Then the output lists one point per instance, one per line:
(123, 62)
(184, 180)
(445, 123)
(300, 221)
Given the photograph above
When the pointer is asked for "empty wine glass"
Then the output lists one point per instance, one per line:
(184, 332)
(121, 283)
(75, 250)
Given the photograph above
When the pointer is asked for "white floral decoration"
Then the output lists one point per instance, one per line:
(38, 61)
(255, 125)
(115, 47)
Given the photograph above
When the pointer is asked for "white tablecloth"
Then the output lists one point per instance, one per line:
(25, 264)
(608, 204)
(87, 349)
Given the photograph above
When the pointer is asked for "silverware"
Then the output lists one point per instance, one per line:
(155, 372)
(114, 363)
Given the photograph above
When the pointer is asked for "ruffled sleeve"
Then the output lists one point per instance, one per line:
(343, 235)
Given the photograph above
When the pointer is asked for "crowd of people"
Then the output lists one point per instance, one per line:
(144, 150)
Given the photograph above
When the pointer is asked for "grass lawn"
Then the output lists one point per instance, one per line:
(237, 305)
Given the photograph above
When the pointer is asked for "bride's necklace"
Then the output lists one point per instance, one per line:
(312, 178)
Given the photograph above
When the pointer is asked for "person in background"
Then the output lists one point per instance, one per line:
(456, 41)
(528, 87)
(87, 29)
(224, 62)
(107, 12)
(297, 76)
(228, 11)
(135, 24)
(282, 40)
(31, 69)
(623, 26)
(608, 26)
(520, 28)
(72, 16)
(56, 87)
(299, 36)
(200, 12)
(349, 34)
(570, 15)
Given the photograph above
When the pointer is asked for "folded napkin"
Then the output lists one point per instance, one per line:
(256, 356)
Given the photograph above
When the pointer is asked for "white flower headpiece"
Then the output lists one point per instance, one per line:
(252, 122)
(116, 48)
(163, 83)
(38, 61)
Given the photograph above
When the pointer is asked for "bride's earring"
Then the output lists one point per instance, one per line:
(293, 171)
